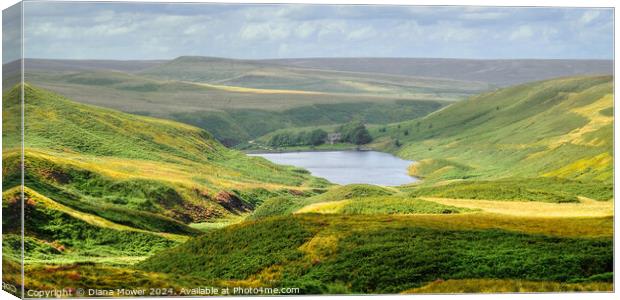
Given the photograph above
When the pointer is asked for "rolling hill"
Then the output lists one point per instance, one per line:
(555, 128)
(105, 186)
(230, 114)
(230, 97)
(516, 196)
(499, 72)
(263, 75)
(338, 254)
(516, 191)
(63, 65)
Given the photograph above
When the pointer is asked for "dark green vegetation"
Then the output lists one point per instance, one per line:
(289, 204)
(266, 244)
(368, 257)
(396, 205)
(285, 139)
(355, 133)
(57, 234)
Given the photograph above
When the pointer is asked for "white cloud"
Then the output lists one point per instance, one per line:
(451, 32)
(363, 33)
(522, 32)
(589, 16)
(331, 29)
(61, 30)
(262, 31)
(305, 29)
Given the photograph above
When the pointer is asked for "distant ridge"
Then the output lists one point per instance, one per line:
(501, 72)
(85, 65)
(498, 72)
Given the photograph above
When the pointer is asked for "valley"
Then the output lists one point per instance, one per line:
(240, 100)
(135, 177)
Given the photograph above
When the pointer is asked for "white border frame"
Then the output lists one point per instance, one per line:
(497, 3)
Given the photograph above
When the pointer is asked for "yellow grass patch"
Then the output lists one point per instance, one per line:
(265, 277)
(332, 207)
(596, 122)
(321, 246)
(584, 208)
(598, 163)
(366, 86)
(239, 89)
(506, 286)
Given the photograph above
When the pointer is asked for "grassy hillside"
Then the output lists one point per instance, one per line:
(99, 173)
(367, 254)
(498, 207)
(556, 128)
(515, 196)
(109, 154)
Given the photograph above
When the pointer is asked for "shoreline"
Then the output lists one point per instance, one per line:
(305, 150)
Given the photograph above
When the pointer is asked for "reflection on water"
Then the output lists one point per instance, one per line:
(346, 167)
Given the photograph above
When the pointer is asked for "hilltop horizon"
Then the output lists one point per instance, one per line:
(317, 57)
(495, 72)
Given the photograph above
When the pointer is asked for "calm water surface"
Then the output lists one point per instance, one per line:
(346, 167)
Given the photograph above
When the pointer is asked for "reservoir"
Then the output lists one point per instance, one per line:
(346, 167)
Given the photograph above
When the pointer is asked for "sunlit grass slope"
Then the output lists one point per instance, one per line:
(93, 172)
(555, 128)
(105, 189)
(459, 286)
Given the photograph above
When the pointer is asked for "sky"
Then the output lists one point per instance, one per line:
(165, 31)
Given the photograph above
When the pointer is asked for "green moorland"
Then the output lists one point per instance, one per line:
(554, 128)
(237, 100)
(111, 188)
(254, 74)
(544, 141)
(232, 114)
(516, 197)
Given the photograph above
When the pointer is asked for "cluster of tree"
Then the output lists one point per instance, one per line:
(303, 138)
(355, 133)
